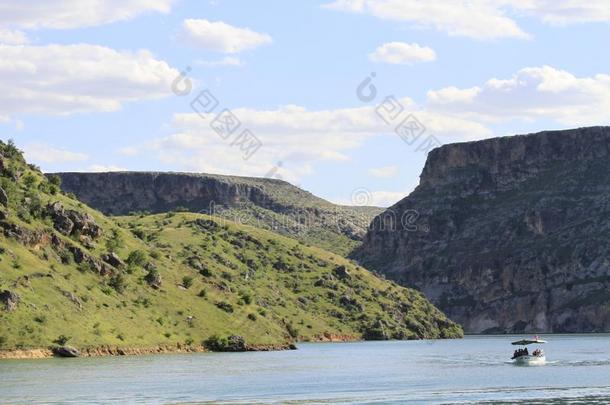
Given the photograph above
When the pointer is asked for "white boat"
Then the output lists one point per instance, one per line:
(524, 358)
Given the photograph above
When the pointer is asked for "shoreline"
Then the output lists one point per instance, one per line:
(108, 350)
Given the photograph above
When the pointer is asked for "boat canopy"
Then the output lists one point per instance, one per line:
(526, 342)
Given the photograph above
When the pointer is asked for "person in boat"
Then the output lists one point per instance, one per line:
(518, 353)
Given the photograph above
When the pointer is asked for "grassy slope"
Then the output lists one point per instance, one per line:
(267, 279)
(320, 231)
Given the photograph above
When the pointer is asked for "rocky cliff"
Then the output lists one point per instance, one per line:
(265, 203)
(507, 235)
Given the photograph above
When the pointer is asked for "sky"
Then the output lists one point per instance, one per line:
(343, 98)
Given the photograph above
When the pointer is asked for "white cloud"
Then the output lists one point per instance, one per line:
(12, 37)
(480, 19)
(452, 94)
(66, 79)
(400, 53)
(372, 198)
(129, 151)
(221, 37)
(291, 134)
(530, 94)
(386, 171)
(105, 169)
(226, 61)
(562, 12)
(43, 153)
(387, 198)
(62, 14)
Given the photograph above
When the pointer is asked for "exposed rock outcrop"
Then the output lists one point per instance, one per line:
(70, 222)
(10, 300)
(507, 235)
(114, 260)
(66, 351)
(73, 297)
(3, 197)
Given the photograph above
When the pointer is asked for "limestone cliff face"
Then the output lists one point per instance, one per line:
(265, 203)
(119, 193)
(507, 235)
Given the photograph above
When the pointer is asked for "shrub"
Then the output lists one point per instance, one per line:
(118, 283)
(62, 340)
(55, 180)
(203, 293)
(136, 258)
(292, 330)
(53, 189)
(216, 343)
(11, 149)
(205, 272)
(153, 278)
(252, 317)
(138, 233)
(29, 180)
(106, 289)
(225, 306)
(246, 298)
(65, 256)
(231, 343)
(187, 281)
(35, 207)
(115, 242)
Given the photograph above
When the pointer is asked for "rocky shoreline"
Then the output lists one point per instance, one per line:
(106, 350)
(102, 351)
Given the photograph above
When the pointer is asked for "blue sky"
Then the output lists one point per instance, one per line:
(464, 70)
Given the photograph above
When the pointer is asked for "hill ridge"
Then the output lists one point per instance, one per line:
(268, 203)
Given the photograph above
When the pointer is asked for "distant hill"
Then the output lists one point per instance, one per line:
(265, 203)
(507, 235)
(69, 274)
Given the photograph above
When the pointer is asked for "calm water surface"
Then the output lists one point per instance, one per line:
(475, 369)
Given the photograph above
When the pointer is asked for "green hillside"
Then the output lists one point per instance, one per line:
(270, 204)
(70, 274)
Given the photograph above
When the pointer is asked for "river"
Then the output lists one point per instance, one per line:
(474, 369)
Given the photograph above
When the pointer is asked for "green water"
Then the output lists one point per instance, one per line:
(475, 369)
